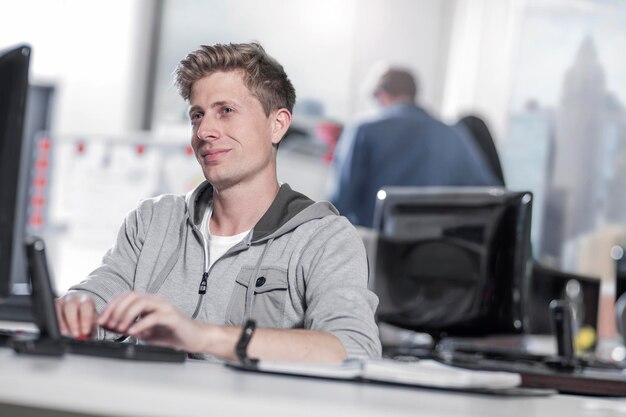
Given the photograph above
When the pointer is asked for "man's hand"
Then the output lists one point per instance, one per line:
(76, 315)
(152, 319)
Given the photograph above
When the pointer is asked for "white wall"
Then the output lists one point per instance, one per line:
(91, 51)
(413, 34)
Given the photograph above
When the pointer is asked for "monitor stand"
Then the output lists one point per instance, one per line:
(48, 342)
(33, 344)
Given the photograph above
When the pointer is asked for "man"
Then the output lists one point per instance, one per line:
(188, 272)
(402, 146)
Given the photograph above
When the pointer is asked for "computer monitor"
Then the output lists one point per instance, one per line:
(14, 154)
(547, 284)
(453, 261)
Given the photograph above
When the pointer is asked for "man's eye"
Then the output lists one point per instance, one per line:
(195, 117)
(227, 110)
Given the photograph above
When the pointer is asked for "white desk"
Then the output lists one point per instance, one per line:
(115, 387)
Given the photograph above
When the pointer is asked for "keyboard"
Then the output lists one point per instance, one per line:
(117, 350)
(27, 342)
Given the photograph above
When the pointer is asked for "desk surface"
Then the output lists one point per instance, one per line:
(116, 387)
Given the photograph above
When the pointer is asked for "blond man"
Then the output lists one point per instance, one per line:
(189, 271)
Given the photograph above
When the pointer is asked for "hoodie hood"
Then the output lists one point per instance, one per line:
(289, 210)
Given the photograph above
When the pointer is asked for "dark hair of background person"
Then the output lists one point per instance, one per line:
(483, 139)
(397, 82)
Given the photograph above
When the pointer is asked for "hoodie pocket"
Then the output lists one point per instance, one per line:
(266, 304)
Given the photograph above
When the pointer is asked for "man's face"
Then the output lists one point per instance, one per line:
(232, 137)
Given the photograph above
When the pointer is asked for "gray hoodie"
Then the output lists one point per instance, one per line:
(301, 266)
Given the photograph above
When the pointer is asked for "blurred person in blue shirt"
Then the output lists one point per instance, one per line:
(403, 145)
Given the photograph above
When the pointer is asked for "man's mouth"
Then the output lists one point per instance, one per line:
(211, 155)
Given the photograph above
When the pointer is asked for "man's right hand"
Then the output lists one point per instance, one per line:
(77, 315)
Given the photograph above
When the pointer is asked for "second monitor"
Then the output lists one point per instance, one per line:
(453, 261)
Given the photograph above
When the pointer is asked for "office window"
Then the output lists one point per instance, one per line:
(567, 130)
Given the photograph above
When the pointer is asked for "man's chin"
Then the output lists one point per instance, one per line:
(220, 182)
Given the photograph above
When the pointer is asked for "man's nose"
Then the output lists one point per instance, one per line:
(207, 130)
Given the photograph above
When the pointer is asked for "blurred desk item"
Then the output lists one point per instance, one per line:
(583, 292)
(421, 373)
(532, 356)
(588, 378)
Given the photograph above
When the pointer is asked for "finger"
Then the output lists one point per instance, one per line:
(166, 316)
(126, 311)
(111, 315)
(157, 328)
(151, 336)
(143, 306)
(147, 336)
(145, 324)
(70, 312)
(58, 304)
(105, 314)
(87, 315)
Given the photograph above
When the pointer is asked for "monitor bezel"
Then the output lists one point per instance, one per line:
(14, 167)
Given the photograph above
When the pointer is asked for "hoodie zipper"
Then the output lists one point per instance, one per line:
(205, 274)
(207, 270)
(202, 289)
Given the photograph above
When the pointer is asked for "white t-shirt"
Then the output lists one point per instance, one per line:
(218, 245)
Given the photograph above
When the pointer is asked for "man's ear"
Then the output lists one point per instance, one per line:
(281, 119)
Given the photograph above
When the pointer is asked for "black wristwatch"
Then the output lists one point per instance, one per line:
(241, 349)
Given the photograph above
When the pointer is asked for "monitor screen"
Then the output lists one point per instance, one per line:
(14, 154)
(453, 261)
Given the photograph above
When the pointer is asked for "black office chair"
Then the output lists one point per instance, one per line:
(482, 137)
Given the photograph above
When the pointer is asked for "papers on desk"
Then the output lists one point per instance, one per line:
(435, 374)
(424, 373)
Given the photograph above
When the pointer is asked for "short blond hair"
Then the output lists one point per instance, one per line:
(262, 74)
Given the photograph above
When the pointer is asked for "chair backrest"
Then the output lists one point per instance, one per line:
(479, 132)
